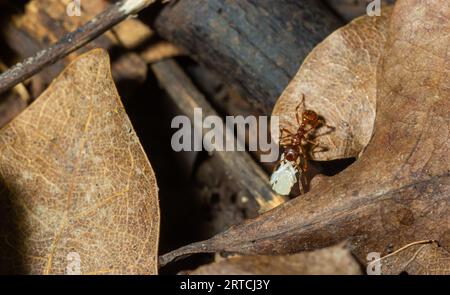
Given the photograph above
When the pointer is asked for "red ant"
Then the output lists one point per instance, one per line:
(294, 144)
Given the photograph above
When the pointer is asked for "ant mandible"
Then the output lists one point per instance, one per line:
(295, 154)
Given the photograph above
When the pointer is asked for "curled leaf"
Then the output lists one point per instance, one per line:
(338, 81)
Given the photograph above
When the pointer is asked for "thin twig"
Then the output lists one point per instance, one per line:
(20, 89)
(404, 248)
(104, 21)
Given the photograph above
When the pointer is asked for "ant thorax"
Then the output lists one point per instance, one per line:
(284, 177)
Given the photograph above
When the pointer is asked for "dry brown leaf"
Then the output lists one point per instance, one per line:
(338, 79)
(421, 258)
(75, 179)
(398, 191)
(336, 260)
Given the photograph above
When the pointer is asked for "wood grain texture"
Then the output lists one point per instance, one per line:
(255, 44)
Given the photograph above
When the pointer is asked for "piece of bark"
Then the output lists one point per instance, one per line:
(256, 44)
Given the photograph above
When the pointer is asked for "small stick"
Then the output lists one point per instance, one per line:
(20, 89)
(404, 248)
(104, 21)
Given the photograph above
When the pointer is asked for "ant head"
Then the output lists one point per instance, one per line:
(291, 153)
(309, 117)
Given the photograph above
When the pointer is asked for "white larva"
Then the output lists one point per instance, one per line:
(284, 178)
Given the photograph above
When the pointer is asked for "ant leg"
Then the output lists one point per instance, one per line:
(302, 102)
(305, 184)
(305, 160)
(305, 164)
(297, 116)
(285, 130)
(301, 177)
(322, 122)
(330, 128)
(285, 141)
(312, 127)
(302, 181)
(286, 137)
(297, 113)
(314, 145)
